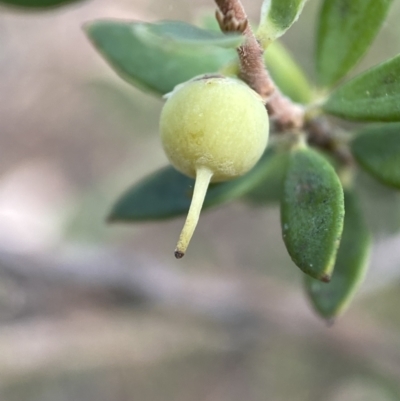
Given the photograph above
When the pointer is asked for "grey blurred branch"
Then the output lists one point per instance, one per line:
(252, 311)
(125, 274)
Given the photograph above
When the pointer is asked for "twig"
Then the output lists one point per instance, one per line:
(232, 18)
(321, 135)
(251, 308)
(284, 113)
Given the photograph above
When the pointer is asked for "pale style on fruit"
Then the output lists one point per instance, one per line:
(212, 129)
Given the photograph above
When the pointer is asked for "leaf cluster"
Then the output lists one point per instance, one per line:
(323, 225)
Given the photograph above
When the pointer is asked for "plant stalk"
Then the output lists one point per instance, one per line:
(232, 17)
(203, 178)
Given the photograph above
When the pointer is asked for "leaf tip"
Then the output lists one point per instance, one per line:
(114, 217)
(90, 28)
(86, 26)
(111, 218)
(326, 278)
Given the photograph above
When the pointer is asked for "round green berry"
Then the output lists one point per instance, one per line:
(218, 123)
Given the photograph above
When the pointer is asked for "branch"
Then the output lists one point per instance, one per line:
(322, 135)
(251, 310)
(232, 18)
(284, 113)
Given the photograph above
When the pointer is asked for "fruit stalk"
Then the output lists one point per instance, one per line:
(203, 177)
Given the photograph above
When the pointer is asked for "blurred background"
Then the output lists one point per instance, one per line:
(90, 311)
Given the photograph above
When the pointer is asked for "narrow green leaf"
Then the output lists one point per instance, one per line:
(37, 3)
(208, 21)
(168, 193)
(277, 16)
(287, 74)
(269, 190)
(346, 30)
(331, 299)
(312, 213)
(381, 205)
(371, 96)
(155, 65)
(377, 150)
(182, 33)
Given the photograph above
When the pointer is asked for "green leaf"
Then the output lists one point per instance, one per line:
(381, 205)
(377, 150)
(37, 3)
(277, 16)
(312, 212)
(208, 21)
(287, 74)
(168, 193)
(182, 33)
(346, 30)
(331, 299)
(269, 190)
(371, 96)
(157, 65)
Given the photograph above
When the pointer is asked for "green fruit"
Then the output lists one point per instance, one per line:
(218, 123)
(212, 129)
